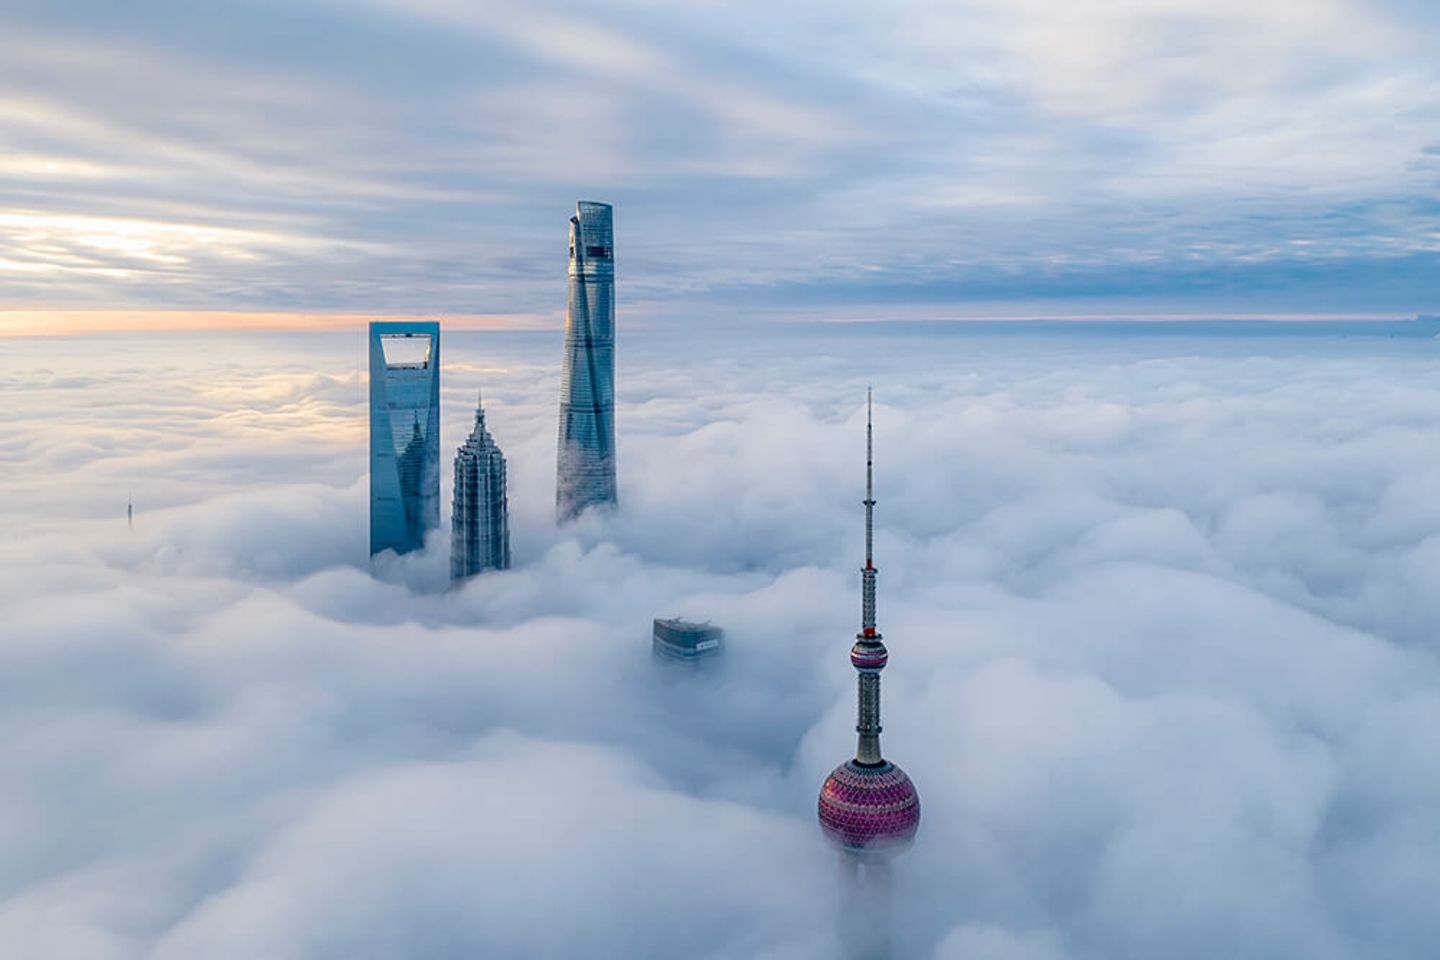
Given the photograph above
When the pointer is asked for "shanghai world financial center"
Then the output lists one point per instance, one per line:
(404, 434)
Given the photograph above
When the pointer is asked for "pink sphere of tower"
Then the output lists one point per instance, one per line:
(869, 810)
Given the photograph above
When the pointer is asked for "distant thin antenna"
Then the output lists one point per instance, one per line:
(129, 510)
(869, 478)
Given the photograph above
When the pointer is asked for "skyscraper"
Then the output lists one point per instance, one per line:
(868, 807)
(404, 434)
(480, 520)
(686, 641)
(585, 464)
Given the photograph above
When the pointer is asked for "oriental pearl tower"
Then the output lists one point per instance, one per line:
(868, 807)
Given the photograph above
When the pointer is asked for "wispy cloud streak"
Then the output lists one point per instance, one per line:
(418, 156)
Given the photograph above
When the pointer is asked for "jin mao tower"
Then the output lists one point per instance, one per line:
(480, 519)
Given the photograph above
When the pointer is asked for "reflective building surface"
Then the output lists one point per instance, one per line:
(675, 639)
(404, 434)
(585, 465)
(480, 521)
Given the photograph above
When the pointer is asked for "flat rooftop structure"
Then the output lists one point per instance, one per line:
(677, 639)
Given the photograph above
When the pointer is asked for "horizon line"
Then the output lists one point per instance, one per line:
(61, 322)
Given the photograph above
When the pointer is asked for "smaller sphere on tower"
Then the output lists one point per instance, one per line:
(869, 656)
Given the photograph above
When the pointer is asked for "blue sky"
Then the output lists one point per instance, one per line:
(835, 160)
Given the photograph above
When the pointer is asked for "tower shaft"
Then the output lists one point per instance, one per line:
(869, 655)
(867, 726)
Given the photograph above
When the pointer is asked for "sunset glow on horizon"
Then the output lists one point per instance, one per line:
(57, 323)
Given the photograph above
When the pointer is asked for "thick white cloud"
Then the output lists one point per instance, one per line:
(1160, 610)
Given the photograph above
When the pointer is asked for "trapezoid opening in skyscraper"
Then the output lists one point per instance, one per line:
(585, 460)
(404, 434)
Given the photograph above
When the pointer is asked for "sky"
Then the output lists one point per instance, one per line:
(1161, 607)
(269, 164)
(1161, 613)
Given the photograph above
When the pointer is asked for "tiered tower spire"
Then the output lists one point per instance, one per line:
(480, 520)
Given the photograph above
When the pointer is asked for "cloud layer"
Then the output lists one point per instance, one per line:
(1161, 613)
(986, 155)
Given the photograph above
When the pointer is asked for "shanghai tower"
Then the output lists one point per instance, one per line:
(585, 463)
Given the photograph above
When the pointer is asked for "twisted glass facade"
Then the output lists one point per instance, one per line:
(404, 434)
(585, 464)
(480, 519)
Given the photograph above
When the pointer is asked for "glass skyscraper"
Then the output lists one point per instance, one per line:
(585, 465)
(404, 434)
(480, 520)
